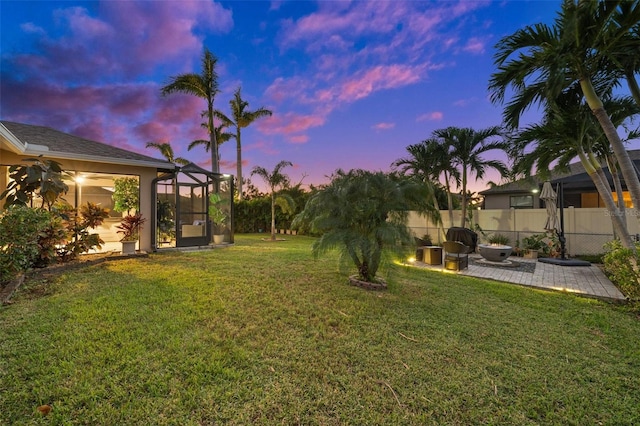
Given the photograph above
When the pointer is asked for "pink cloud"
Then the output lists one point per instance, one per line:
(289, 123)
(474, 45)
(378, 78)
(383, 126)
(464, 102)
(299, 139)
(431, 116)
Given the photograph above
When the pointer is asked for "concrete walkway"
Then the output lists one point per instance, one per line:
(587, 281)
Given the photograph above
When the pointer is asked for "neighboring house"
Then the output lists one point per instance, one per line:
(94, 166)
(578, 188)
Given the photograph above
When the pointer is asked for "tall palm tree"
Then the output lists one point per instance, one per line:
(619, 39)
(241, 118)
(539, 62)
(427, 161)
(221, 137)
(566, 132)
(467, 148)
(167, 152)
(205, 86)
(276, 180)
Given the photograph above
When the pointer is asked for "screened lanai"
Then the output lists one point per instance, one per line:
(194, 207)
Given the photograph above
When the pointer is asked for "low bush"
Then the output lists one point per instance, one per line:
(619, 266)
(21, 228)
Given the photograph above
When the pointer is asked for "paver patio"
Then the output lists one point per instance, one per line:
(587, 281)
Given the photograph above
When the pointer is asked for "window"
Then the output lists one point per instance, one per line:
(521, 201)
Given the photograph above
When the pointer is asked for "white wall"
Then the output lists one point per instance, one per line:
(586, 229)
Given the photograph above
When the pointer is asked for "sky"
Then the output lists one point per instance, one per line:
(350, 84)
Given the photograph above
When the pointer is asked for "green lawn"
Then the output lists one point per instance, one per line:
(261, 333)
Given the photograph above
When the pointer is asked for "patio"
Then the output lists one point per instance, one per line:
(588, 281)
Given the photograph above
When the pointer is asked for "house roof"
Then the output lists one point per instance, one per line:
(27, 139)
(575, 178)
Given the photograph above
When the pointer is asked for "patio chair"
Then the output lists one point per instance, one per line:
(456, 256)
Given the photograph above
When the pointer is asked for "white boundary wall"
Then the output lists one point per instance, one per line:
(586, 229)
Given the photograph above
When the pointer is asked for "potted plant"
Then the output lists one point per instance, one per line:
(218, 218)
(532, 245)
(130, 230)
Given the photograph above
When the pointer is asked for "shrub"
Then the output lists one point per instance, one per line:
(618, 265)
(21, 228)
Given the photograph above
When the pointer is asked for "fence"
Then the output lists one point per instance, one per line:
(586, 229)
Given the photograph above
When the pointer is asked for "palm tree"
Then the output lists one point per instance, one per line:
(467, 147)
(167, 152)
(364, 214)
(427, 161)
(619, 39)
(241, 118)
(566, 132)
(205, 86)
(221, 137)
(540, 62)
(276, 181)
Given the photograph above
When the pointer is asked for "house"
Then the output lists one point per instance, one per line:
(173, 199)
(578, 188)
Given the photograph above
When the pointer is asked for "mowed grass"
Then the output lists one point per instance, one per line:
(261, 333)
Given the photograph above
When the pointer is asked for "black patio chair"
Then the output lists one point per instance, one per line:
(456, 256)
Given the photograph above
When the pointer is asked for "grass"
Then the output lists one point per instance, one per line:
(261, 333)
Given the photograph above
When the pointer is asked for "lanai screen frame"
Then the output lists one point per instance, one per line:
(222, 184)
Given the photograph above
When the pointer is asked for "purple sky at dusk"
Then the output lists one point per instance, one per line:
(350, 84)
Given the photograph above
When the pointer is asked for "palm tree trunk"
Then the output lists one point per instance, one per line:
(617, 220)
(463, 198)
(239, 160)
(626, 165)
(449, 199)
(633, 85)
(215, 159)
(437, 218)
(273, 216)
(617, 184)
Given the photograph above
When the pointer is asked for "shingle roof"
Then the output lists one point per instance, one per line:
(575, 169)
(70, 146)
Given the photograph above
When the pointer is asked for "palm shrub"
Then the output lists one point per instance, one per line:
(364, 215)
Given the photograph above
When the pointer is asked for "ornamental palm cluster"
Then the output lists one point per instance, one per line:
(364, 215)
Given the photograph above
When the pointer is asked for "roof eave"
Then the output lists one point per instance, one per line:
(99, 159)
(13, 144)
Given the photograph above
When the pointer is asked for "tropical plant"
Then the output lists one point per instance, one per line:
(276, 180)
(205, 86)
(540, 62)
(167, 152)
(534, 242)
(217, 214)
(77, 223)
(42, 179)
(126, 194)
(165, 212)
(364, 215)
(567, 130)
(427, 162)
(467, 148)
(241, 118)
(130, 227)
